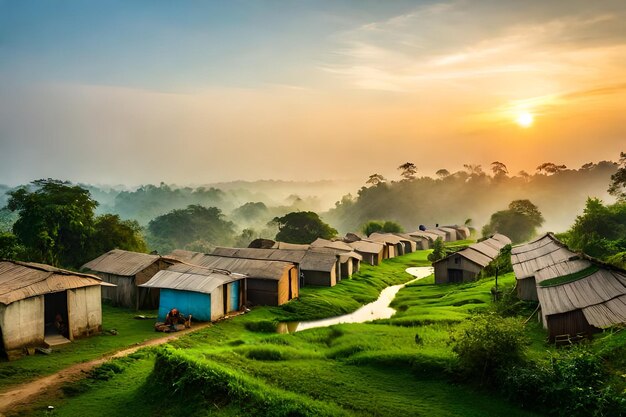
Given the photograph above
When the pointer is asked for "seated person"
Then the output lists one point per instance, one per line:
(60, 324)
(174, 321)
(174, 317)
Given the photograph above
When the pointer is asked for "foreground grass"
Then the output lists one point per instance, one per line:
(129, 332)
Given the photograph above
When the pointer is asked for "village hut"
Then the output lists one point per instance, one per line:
(372, 252)
(439, 233)
(533, 256)
(206, 294)
(128, 270)
(466, 264)
(394, 244)
(579, 297)
(33, 295)
(321, 268)
(267, 282)
(451, 234)
(419, 242)
(350, 261)
(462, 232)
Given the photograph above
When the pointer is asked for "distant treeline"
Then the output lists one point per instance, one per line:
(559, 193)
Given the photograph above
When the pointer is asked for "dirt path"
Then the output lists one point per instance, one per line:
(20, 395)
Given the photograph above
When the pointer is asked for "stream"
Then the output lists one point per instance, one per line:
(375, 310)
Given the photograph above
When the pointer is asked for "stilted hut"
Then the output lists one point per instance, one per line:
(33, 295)
(128, 270)
(207, 294)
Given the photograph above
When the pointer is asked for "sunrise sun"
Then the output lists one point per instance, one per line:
(524, 119)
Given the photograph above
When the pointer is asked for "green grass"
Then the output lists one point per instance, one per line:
(129, 332)
(591, 269)
(350, 294)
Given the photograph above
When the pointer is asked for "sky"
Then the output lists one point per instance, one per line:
(193, 92)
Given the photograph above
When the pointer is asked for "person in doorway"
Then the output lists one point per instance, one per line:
(60, 324)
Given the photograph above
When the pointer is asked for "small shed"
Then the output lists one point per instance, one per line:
(466, 264)
(439, 233)
(421, 242)
(268, 282)
(579, 297)
(320, 268)
(451, 234)
(394, 244)
(128, 270)
(372, 252)
(345, 253)
(530, 257)
(207, 294)
(31, 296)
(462, 232)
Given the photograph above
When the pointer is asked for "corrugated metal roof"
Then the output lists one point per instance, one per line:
(486, 249)
(601, 295)
(20, 280)
(502, 239)
(253, 268)
(421, 233)
(121, 262)
(474, 256)
(538, 254)
(285, 255)
(367, 247)
(191, 278)
(290, 246)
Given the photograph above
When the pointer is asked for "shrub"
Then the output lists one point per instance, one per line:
(487, 344)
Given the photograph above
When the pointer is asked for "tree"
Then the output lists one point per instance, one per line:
(442, 173)
(9, 246)
(408, 170)
(375, 226)
(439, 251)
(376, 179)
(587, 166)
(499, 169)
(55, 223)
(600, 231)
(302, 227)
(617, 186)
(111, 232)
(550, 168)
(524, 175)
(372, 226)
(244, 239)
(181, 227)
(474, 170)
(519, 222)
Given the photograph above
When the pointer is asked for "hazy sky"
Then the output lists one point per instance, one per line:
(201, 91)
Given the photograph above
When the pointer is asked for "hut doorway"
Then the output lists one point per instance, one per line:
(455, 276)
(55, 308)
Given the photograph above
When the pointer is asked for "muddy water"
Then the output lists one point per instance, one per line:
(375, 310)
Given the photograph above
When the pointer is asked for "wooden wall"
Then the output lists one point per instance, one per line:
(442, 269)
(527, 289)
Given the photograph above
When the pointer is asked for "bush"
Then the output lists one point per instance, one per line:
(487, 344)
(439, 251)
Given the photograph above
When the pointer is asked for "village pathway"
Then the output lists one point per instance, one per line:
(21, 395)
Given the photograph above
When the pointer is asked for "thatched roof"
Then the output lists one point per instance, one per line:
(122, 262)
(540, 253)
(20, 280)
(580, 284)
(191, 278)
(253, 268)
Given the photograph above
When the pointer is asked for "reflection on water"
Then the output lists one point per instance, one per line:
(375, 310)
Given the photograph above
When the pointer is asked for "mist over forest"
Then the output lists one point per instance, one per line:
(410, 200)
